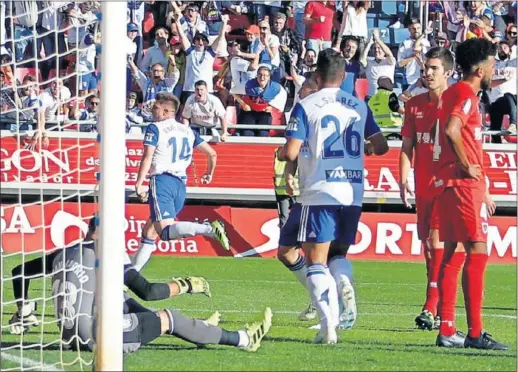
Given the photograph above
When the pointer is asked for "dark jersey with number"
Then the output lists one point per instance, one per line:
(73, 290)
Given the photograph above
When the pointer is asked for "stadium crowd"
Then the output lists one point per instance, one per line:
(239, 61)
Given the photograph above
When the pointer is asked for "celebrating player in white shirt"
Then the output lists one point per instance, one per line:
(328, 129)
(168, 149)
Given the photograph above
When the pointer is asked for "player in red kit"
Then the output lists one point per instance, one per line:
(421, 115)
(463, 200)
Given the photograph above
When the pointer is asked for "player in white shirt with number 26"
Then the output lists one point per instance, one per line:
(168, 150)
(327, 133)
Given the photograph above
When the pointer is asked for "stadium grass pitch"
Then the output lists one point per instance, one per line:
(389, 297)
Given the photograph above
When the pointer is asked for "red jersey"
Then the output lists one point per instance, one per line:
(460, 101)
(319, 30)
(420, 117)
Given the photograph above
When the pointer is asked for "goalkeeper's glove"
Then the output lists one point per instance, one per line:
(192, 285)
(23, 319)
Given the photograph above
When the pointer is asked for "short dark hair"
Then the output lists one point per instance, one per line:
(311, 50)
(311, 79)
(472, 52)
(200, 36)
(168, 98)
(89, 98)
(444, 54)
(29, 78)
(414, 21)
(330, 65)
(200, 83)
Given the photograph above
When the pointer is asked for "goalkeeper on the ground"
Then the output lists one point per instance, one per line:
(73, 290)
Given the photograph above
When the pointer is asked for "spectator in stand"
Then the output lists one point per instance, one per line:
(242, 70)
(83, 21)
(355, 18)
(476, 9)
(159, 52)
(24, 16)
(262, 97)
(3, 31)
(385, 107)
(298, 9)
(181, 62)
(191, 22)
(350, 49)
(510, 37)
(31, 109)
(454, 12)
(270, 53)
(200, 59)
(205, 112)
(86, 66)
(134, 116)
(319, 18)
(132, 32)
(8, 104)
(503, 93)
(308, 63)
(211, 13)
(290, 44)
(55, 100)
(157, 83)
(90, 113)
(411, 52)
(383, 63)
(264, 8)
(136, 13)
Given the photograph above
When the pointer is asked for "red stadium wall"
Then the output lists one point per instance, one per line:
(252, 232)
(240, 166)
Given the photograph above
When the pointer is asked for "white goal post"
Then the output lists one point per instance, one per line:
(111, 241)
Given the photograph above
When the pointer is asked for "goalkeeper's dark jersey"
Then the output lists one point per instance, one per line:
(73, 290)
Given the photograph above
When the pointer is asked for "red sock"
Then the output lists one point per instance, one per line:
(473, 288)
(448, 283)
(432, 290)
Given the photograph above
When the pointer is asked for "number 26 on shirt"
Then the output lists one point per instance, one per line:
(351, 139)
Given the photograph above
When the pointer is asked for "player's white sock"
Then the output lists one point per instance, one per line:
(244, 340)
(340, 267)
(299, 270)
(333, 299)
(318, 288)
(147, 246)
(179, 230)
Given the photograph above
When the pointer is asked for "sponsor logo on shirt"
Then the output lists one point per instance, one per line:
(466, 106)
(293, 124)
(344, 175)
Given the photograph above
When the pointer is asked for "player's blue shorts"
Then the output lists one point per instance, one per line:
(290, 230)
(166, 196)
(321, 224)
(88, 81)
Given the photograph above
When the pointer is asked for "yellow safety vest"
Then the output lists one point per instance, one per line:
(280, 179)
(384, 117)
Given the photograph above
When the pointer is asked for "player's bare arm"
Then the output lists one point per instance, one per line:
(405, 164)
(212, 159)
(290, 151)
(291, 181)
(145, 165)
(379, 144)
(454, 135)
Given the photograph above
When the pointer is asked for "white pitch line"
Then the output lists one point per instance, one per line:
(360, 314)
(27, 362)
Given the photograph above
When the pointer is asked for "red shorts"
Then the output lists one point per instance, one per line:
(463, 215)
(427, 216)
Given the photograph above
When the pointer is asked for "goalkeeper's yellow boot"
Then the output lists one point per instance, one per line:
(193, 285)
(214, 319)
(219, 233)
(258, 330)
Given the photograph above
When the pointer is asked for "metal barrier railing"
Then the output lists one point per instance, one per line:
(64, 125)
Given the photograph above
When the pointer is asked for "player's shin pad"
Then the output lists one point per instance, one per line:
(193, 285)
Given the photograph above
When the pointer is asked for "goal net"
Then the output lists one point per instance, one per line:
(53, 150)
